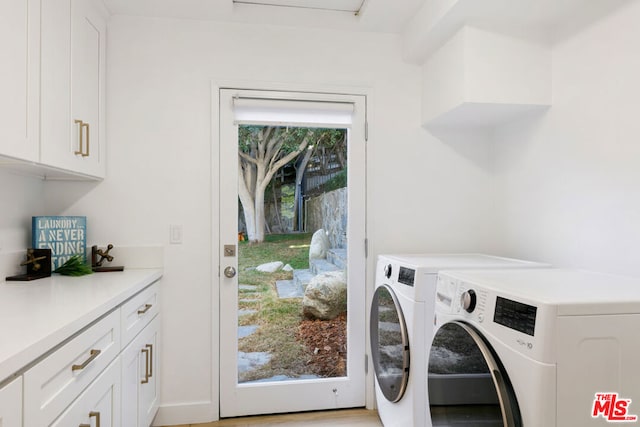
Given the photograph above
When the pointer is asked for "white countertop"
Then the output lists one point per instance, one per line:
(36, 316)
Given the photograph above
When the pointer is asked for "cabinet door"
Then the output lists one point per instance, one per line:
(99, 405)
(140, 373)
(11, 404)
(19, 78)
(73, 76)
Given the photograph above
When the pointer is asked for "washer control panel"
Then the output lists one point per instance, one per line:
(470, 302)
(406, 276)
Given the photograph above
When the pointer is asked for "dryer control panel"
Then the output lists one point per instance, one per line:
(515, 315)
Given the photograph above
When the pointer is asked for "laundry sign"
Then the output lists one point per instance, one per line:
(64, 235)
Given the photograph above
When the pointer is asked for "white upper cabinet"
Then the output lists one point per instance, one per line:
(19, 78)
(72, 91)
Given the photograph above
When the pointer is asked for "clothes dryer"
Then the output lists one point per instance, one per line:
(402, 323)
(535, 348)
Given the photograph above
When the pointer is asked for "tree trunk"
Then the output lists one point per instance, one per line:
(297, 198)
(258, 169)
(259, 218)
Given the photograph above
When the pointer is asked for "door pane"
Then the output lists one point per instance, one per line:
(292, 217)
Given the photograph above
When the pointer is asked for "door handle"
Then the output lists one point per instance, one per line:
(230, 272)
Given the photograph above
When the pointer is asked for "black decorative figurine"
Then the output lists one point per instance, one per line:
(96, 265)
(38, 264)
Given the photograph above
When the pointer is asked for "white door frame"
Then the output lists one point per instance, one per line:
(365, 294)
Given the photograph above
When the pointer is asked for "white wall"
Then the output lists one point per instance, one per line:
(571, 179)
(424, 195)
(22, 197)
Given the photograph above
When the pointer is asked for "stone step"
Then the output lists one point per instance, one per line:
(251, 361)
(289, 289)
(302, 277)
(338, 257)
(319, 266)
(245, 331)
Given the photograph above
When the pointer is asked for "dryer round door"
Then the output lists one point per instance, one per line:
(467, 381)
(389, 344)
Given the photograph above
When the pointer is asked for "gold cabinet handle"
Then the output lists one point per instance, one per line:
(145, 309)
(150, 347)
(92, 355)
(146, 366)
(95, 414)
(81, 125)
(91, 415)
(86, 127)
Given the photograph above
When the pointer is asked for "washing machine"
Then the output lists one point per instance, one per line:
(535, 348)
(401, 325)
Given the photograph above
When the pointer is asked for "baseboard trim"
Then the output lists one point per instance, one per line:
(186, 413)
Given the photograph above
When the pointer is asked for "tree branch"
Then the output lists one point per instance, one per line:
(246, 157)
(286, 159)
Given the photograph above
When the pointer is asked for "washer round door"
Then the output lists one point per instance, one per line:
(389, 344)
(467, 383)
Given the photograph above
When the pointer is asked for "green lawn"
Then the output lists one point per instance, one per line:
(278, 319)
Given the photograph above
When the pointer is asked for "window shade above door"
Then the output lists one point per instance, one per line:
(286, 112)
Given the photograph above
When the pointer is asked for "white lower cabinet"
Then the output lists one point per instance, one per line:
(11, 403)
(98, 405)
(95, 378)
(140, 373)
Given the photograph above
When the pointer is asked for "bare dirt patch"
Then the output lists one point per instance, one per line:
(326, 341)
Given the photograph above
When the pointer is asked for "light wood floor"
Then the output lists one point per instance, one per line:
(341, 418)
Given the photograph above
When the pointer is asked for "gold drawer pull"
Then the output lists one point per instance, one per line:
(93, 355)
(97, 415)
(145, 309)
(146, 366)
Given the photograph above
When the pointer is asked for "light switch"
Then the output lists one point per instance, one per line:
(175, 234)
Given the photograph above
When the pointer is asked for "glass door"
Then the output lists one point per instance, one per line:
(292, 235)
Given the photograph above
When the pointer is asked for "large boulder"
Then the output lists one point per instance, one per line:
(325, 296)
(319, 245)
(270, 267)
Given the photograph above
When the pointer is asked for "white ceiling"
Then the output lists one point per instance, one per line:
(387, 16)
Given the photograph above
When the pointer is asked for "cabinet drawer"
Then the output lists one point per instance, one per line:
(52, 384)
(11, 403)
(138, 312)
(98, 405)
